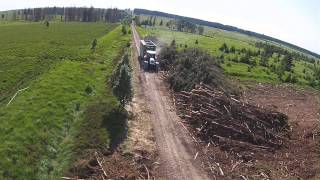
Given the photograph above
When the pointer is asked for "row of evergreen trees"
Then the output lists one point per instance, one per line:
(151, 21)
(82, 14)
(179, 25)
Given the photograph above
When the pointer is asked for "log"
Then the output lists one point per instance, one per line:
(185, 93)
(100, 164)
(147, 171)
(228, 128)
(184, 97)
(20, 90)
(242, 143)
(235, 100)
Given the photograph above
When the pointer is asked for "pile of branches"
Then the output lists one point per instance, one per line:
(230, 123)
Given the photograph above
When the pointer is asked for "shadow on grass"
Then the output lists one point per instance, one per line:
(116, 124)
(103, 127)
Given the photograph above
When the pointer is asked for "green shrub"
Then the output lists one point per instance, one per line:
(264, 62)
(88, 90)
(47, 23)
(313, 83)
(121, 81)
(103, 126)
(167, 57)
(224, 48)
(290, 78)
(235, 60)
(124, 30)
(268, 72)
(94, 44)
(173, 43)
(77, 108)
(245, 59)
(193, 66)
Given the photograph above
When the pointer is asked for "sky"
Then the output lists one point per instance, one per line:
(294, 21)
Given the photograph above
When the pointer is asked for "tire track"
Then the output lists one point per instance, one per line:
(176, 147)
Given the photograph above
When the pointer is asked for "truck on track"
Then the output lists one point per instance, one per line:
(148, 55)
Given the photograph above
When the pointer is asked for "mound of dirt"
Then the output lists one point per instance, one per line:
(231, 123)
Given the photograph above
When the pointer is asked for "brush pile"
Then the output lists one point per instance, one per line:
(230, 123)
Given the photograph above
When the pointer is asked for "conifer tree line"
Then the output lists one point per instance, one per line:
(81, 14)
(177, 24)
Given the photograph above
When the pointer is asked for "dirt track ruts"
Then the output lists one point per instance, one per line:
(175, 146)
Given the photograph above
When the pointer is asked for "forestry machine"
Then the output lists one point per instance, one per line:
(148, 55)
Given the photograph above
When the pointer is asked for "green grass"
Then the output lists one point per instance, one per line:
(258, 73)
(213, 39)
(39, 118)
(29, 49)
(210, 44)
(41, 130)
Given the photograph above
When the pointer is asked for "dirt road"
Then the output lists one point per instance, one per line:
(175, 146)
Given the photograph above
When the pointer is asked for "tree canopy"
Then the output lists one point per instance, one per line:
(83, 14)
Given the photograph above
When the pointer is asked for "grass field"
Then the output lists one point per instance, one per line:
(43, 128)
(213, 39)
(211, 44)
(29, 49)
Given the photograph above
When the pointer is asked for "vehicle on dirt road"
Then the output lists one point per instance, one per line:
(148, 55)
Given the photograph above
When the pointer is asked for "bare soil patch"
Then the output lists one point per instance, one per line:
(299, 158)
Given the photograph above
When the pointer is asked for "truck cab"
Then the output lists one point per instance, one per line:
(152, 60)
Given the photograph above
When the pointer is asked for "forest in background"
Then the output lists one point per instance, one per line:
(80, 14)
